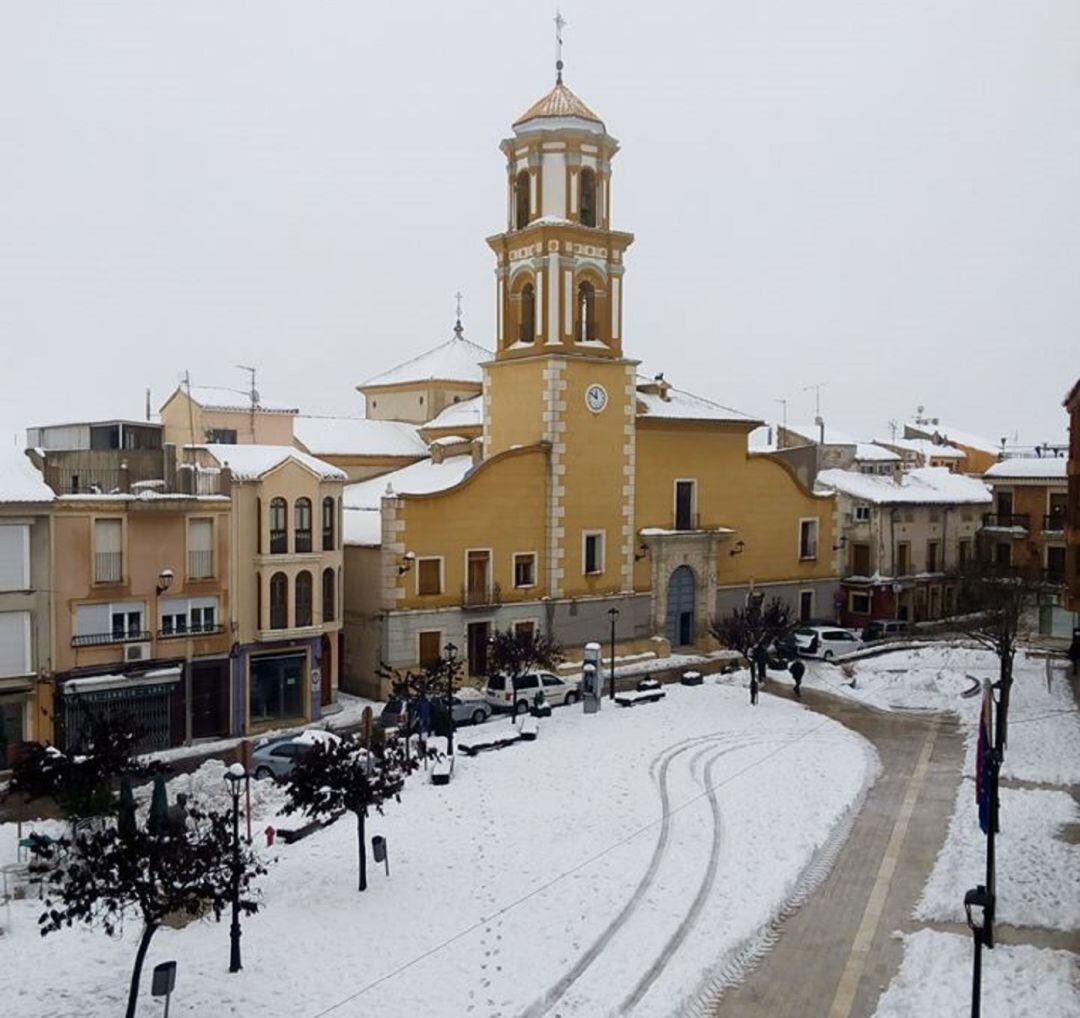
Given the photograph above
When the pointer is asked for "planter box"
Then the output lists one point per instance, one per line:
(692, 679)
(640, 696)
(647, 684)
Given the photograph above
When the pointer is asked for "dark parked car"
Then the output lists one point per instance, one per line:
(882, 629)
(468, 707)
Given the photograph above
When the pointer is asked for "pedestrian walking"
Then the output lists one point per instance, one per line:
(797, 669)
(753, 689)
(759, 659)
(1074, 652)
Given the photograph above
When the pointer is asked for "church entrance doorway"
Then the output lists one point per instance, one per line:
(681, 607)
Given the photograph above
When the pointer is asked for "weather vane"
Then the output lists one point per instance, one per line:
(560, 24)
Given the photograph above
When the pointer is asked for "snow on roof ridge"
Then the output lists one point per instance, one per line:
(202, 394)
(250, 462)
(681, 404)
(927, 485)
(326, 435)
(1050, 467)
(950, 434)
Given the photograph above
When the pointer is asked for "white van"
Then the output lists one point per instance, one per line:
(500, 694)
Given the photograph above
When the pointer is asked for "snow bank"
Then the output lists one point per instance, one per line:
(935, 980)
(1038, 880)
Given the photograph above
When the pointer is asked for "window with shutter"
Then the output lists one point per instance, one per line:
(14, 644)
(108, 547)
(14, 557)
(200, 549)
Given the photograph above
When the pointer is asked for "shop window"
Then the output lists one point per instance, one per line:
(859, 603)
(277, 687)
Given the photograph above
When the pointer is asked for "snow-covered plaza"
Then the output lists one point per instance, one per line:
(632, 862)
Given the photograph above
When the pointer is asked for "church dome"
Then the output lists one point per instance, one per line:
(559, 102)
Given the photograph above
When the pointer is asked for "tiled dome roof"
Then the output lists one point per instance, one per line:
(559, 102)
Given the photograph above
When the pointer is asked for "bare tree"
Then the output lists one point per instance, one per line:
(102, 875)
(745, 628)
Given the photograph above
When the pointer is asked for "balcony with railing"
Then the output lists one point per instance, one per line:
(202, 629)
(108, 566)
(1054, 523)
(116, 636)
(1006, 521)
(481, 596)
(200, 565)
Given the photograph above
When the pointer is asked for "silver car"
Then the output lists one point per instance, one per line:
(275, 758)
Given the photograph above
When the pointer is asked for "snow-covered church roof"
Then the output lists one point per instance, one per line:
(456, 360)
(358, 436)
(250, 462)
(676, 404)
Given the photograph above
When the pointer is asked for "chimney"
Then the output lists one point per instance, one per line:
(437, 451)
(148, 404)
(477, 451)
(820, 422)
(225, 481)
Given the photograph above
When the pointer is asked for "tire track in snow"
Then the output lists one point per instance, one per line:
(661, 761)
(691, 917)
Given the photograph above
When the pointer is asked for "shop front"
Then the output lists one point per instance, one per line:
(277, 687)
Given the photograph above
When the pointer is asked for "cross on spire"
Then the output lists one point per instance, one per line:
(458, 297)
(560, 24)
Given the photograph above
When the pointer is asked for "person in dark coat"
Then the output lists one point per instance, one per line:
(759, 658)
(753, 688)
(797, 669)
(1074, 651)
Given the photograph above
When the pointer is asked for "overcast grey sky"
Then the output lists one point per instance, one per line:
(879, 196)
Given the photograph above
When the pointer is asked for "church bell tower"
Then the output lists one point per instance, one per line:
(559, 374)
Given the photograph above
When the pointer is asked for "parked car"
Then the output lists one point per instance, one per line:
(275, 758)
(500, 693)
(826, 642)
(881, 629)
(469, 706)
(783, 650)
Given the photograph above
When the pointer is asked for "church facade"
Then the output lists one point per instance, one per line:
(560, 483)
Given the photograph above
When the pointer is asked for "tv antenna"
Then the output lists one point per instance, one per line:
(253, 392)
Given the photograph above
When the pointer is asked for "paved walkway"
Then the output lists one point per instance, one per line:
(836, 955)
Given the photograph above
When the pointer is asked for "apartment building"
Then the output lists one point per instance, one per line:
(902, 538)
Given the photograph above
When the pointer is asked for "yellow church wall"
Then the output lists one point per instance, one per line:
(415, 402)
(756, 496)
(596, 486)
(501, 507)
(516, 397)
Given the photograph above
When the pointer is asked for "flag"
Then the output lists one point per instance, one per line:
(984, 758)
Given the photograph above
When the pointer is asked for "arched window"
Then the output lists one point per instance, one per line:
(521, 199)
(303, 524)
(328, 512)
(279, 601)
(329, 586)
(587, 202)
(279, 538)
(527, 330)
(303, 599)
(586, 312)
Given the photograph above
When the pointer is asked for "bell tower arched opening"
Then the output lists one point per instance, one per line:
(522, 186)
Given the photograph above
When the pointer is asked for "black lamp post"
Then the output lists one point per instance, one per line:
(977, 905)
(613, 614)
(233, 776)
(451, 654)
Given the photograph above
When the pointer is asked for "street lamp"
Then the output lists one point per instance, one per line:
(451, 654)
(613, 614)
(233, 776)
(977, 905)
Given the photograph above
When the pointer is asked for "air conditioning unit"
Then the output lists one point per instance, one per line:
(136, 652)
